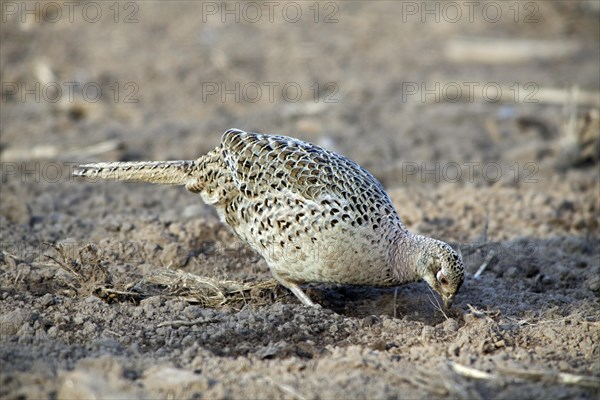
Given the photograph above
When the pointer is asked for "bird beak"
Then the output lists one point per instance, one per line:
(448, 301)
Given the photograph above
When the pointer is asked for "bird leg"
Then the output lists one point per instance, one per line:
(294, 288)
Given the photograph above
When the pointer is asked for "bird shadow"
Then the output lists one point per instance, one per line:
(413, 302)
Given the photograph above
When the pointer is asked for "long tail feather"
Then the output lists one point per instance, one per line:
(160, 172)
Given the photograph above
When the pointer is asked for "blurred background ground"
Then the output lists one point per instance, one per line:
(481, 120)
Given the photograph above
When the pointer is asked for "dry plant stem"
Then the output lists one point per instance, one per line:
(198, 321)
(550, 376)
(287, 389)
(111, 291)
(558, 377)
(508, 51)
(395, 302)
(486, 223)
(436, 304)
(64, 263)
(480, 314)
(206, 291)
(469, 372)
(488, 259)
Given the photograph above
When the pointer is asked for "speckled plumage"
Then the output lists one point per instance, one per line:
(314, 215)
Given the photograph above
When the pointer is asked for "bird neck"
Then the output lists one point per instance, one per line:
(407, 249)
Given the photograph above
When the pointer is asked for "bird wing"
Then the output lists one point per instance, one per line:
(263, 164)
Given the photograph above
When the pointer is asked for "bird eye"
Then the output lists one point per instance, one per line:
(442, 278)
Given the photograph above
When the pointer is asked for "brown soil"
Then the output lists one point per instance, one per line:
(526, 205)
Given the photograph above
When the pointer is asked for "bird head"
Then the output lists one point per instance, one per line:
(443, 269)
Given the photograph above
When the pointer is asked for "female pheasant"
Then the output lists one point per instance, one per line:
(314, 215)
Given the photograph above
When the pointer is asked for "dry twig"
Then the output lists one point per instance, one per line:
(548, 376)
(488, 259)
(206, 291)
(436, 304)
(287, 389)
(198, 321)
(482, 314)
